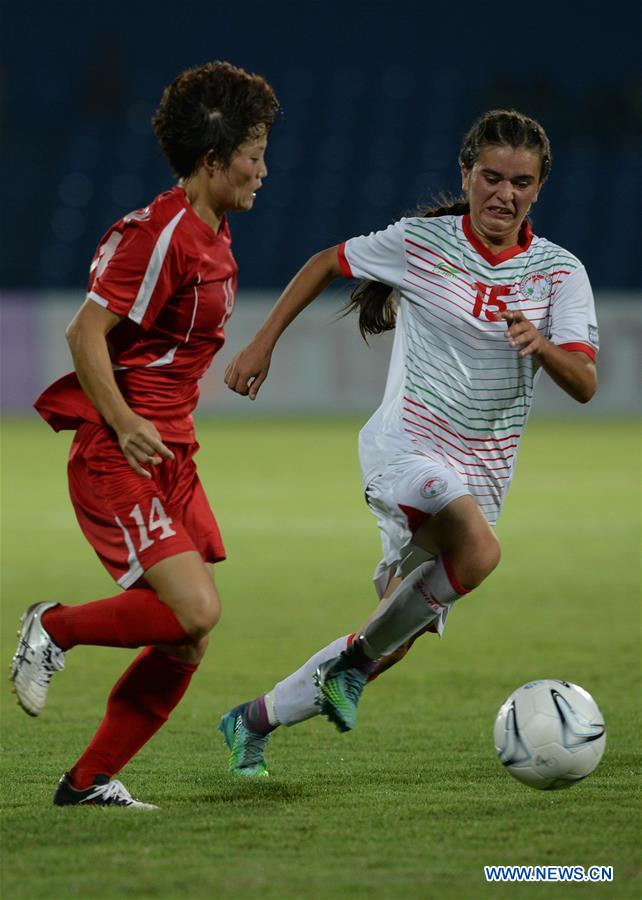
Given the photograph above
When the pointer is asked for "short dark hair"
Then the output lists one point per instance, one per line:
(211, 108)
(506, 127)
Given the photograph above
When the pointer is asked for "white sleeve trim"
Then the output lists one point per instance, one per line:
(92, 295)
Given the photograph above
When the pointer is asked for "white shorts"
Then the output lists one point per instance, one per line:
(402, 492)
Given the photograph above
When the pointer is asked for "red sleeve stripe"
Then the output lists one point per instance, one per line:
(578, 347)
(344, 265)
(452, 578)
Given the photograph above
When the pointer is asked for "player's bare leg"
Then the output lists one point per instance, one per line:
(186, 584)
(467, 551)
(247, 727)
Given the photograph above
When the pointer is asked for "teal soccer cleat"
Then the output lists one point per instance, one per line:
(340, 688)
(246, 747)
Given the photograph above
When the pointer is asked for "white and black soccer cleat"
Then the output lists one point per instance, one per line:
(35, 661)
(103, 792)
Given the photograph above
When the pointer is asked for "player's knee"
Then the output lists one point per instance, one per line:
(482, 558)
(492, 554)
(202, 614)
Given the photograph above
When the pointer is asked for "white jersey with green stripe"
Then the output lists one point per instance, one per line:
(456, 388)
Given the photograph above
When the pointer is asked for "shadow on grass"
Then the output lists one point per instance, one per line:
(250, 791)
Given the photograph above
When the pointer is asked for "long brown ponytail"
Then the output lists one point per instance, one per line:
(373, 300)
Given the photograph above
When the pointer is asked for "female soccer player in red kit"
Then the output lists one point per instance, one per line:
(162, 285)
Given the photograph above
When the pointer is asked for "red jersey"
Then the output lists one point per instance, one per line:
(172, 279)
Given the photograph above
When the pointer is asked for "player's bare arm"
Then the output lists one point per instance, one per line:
(573, 371)
(248, 370)
(87, 337)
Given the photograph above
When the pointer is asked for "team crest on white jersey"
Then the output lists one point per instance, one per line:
(443, 268)
(536, 286)
(433, 487)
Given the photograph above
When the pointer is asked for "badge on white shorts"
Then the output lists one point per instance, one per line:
(434, 487)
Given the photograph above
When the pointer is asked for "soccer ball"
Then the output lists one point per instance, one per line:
(549, 734)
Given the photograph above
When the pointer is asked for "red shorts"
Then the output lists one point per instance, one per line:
(133, 522)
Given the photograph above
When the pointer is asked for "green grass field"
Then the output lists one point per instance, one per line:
(413, 803)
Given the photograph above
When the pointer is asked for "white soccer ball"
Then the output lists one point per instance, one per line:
(550, 734)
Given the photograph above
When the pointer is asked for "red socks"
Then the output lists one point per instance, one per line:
(138, 705)
(150, 688)
(134, 618)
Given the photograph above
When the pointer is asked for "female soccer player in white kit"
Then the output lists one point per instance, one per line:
(479, 305)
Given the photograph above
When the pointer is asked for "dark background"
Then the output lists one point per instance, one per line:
(376, 97)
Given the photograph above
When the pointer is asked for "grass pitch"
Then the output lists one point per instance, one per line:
(413, 803)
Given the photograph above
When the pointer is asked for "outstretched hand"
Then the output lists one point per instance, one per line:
(522, 334)
(141, 444)
(248, 370)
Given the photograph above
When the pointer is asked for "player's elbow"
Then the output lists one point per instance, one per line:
(586, 393)
(583, 383)
(71, 333)
(587, 387)
(75, 331)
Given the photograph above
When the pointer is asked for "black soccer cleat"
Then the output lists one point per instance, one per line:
(103, 792)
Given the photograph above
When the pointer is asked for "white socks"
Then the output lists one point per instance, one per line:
(292, 700)
(423, 596)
